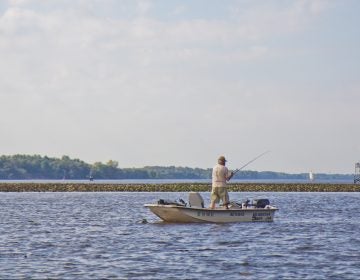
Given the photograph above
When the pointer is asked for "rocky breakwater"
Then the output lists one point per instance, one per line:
(178, 187)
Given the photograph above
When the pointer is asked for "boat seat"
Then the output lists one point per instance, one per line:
(195, 200)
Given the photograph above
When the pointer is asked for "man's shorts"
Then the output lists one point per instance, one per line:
(218, 193)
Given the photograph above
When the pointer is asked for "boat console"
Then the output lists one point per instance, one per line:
(195, 200)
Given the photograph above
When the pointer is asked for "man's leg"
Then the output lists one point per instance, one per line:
(225, 197)
(214, 198)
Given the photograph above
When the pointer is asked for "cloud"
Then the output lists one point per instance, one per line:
(136, 87)
(264, 19)
(143, 7)
(178, 10)
(61, 48)
(68, 51)
(72, 28)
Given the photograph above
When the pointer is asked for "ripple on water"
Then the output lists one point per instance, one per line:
(98, 235)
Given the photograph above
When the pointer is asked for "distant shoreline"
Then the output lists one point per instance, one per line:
(176, 187)
(34, 167)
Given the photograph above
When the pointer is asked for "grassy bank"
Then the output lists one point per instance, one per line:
(179, 187)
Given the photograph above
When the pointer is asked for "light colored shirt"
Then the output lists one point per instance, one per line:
(220, 175)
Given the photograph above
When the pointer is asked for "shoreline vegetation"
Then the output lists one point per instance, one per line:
(177, 187)
(30, 167)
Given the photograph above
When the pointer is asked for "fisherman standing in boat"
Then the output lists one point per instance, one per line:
(220, 175)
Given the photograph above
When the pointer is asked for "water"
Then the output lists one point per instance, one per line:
(100, 236)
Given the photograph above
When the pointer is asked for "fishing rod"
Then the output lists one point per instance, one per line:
(237, 170)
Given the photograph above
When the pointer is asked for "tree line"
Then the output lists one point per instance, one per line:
(17, 167)
(22, 167)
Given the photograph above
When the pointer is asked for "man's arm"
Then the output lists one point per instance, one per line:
(230, 176)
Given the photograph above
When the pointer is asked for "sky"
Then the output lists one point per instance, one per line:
(181, 82)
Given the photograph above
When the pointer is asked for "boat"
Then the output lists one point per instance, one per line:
(311, 176)
(259, 210)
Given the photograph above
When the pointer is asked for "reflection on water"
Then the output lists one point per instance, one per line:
(101, 235)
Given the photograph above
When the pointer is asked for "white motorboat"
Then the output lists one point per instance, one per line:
(194, 212)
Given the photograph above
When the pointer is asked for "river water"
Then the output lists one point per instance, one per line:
(101, 236)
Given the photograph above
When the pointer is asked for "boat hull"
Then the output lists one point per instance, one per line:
(181, 214)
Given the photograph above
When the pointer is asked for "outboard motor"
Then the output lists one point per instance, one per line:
(260, 203)
(195, 200)
(171, 202)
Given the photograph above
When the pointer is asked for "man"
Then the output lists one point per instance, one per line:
(220, 175)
